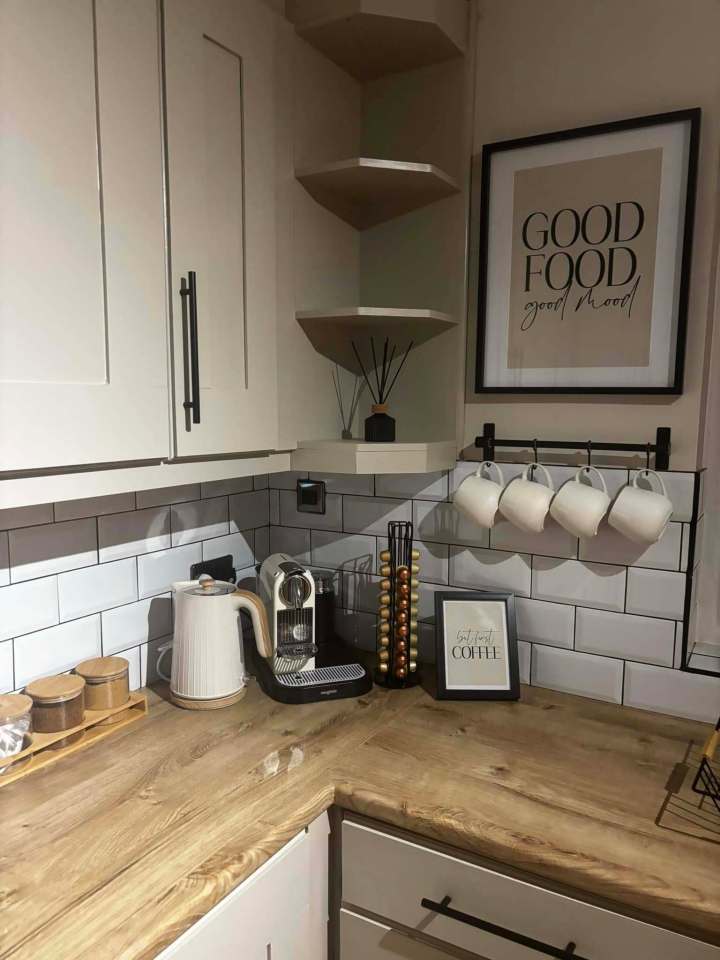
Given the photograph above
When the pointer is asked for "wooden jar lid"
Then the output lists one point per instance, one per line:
(13, 706)
(102, 669)
(55, 689)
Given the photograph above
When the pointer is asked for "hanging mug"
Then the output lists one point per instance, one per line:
(525, 503)
(478, 496)
(641, 515)
(579, 508)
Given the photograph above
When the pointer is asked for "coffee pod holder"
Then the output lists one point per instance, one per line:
(397, 641)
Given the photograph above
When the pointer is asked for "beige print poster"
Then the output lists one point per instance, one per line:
(583, 262)
(476, 652)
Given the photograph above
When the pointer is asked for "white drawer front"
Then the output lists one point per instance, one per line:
(363, 939)
(389, 877)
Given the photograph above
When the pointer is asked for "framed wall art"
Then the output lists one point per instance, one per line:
(476, 646)
(585, 250)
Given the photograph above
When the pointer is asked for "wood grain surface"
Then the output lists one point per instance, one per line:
(112, 854)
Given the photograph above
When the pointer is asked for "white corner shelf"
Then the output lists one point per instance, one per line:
(331, 332)
(373, 38)
(357, 456)
(364, 191)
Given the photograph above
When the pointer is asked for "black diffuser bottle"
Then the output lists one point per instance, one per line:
(379, 426)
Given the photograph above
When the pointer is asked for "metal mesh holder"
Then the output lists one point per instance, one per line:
(707, 781)
(397, 647)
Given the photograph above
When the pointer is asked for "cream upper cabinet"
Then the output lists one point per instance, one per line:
(220, 76)
(83, 310)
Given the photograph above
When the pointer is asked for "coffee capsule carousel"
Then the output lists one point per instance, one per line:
(397, 647)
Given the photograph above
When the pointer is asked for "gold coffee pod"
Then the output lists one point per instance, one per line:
(385, 584)
(385, 556)
(384, 613)
(383, 667)
(383, 656)
(385, 570)
(384, 599)
(414, 583)
(384, 641)
(384, 628)
(415, 555)
(413, 666)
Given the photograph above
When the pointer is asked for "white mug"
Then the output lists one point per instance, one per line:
(478, 496)
(579, 508)
(525, 503)
(641, 515)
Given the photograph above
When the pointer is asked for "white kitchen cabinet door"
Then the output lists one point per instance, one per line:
(83, 312)
(220, 64)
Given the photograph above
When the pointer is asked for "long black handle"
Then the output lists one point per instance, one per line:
(191, 291)
(568, 953)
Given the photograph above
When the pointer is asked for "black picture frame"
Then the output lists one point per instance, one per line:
(512, 692)
(691, 116)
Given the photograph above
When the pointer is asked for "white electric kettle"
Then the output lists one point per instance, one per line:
(208, 670)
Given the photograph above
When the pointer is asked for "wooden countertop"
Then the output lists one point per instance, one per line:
(113, 852)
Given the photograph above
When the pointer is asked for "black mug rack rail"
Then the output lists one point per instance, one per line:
(488, 443)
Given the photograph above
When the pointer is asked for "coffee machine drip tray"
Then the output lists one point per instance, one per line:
(309, 686)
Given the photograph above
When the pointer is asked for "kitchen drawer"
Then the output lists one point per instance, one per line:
(363, 939)
(389, 876)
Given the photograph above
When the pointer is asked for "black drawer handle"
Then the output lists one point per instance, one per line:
(189, 290)
(568, 953)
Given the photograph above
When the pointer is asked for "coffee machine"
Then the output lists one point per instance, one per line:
(286, 662)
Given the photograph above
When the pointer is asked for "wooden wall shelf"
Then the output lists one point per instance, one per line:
(331, 332)
(373, 38)
(357, 456)
(365, 191)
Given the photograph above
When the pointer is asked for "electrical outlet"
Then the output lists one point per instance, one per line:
(220, 568)
(311, 496)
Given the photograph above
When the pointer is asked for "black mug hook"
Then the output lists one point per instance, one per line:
(589, 453)
(533, 465)
(647, 457)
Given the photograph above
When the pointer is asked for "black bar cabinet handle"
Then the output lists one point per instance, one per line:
(444, 908)
(191, 291)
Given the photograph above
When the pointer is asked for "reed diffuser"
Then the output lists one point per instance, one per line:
(379, 426)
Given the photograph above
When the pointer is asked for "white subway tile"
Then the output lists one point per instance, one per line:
(362, 484)
(7, 680)
(97, 588)
(239, 545)
(15, 517)
(626, 636)
(26, 607)
(685, 544)
(542, 622)
(350, 551)
(94, 506)
(580, 673)
(699, 661)
(584, 584)
(286, 479)
(294, 542)
(490, 570)
(552, 542)
(136, 623)
(358, 591)
(372, 515)
(609, 546)
(290, 516)
(426, 598)
(261, 482)
(4, 560)
(134, 669)
(413, 486)
(162, 496)
(262, 544)
(524, 655)
(199, 520)
(149, 655)
(57, 649)
(444, 523)
(132, 534)
(356, 629)
(672, 691)
(223, 488)
(680, 489)
(44, 550)
(158, 571)
(433, 562)
(656, 593)
(274, 508)
(249, 510)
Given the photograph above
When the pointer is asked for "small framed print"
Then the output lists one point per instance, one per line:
(585, 246)
(476, 646)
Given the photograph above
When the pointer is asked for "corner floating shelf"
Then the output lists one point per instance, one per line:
(373, 38)
(331, 332)
(364, 191)
(356, 456)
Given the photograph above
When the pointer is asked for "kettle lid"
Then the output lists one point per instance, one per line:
(208, 587)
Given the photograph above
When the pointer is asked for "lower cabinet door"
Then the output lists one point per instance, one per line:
(363, 939)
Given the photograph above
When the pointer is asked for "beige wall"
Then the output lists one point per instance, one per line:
(566, 63)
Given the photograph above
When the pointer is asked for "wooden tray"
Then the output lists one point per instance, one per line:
(37, 755)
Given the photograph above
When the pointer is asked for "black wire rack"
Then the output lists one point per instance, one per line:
(707, 781)
(397, 650)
